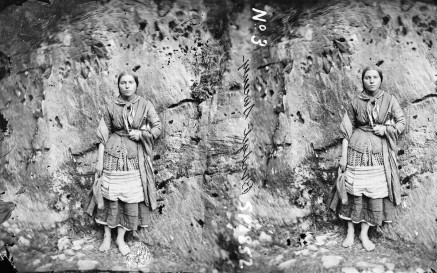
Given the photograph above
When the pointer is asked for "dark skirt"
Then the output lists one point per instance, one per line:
(127, 215)
(364, 209)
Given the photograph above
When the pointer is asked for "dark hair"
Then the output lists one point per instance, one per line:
(367, 68)
(126, 73)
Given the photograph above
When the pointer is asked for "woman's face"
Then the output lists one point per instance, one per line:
(127, 86)
(372, 80)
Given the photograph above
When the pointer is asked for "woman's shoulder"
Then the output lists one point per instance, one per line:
(145, 102)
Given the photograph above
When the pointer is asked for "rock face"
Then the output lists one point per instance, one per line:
(57, 75)
(63, 73)
(303, 83)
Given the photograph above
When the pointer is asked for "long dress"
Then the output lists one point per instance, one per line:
(127, 182)
(371, 177)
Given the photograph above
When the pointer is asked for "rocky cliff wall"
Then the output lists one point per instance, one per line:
(59, 67)
(303, 83)
(59, 70)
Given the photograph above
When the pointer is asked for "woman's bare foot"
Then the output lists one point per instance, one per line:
(349, 240)
(367, 244)
(123, 247)
(106, 245)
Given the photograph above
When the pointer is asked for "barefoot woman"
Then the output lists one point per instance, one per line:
(371, 128)
(127, 131)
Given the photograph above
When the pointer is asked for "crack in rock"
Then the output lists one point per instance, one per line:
(425, 98)
(181, 102)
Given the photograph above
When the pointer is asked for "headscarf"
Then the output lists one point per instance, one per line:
(372, 108)
(128, 110)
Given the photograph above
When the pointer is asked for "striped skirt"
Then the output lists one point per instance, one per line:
(123, 195)
(367, 189)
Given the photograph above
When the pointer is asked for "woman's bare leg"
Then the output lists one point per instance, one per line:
(367, 244)
(122, 246)
(106, 244)
(349, 240)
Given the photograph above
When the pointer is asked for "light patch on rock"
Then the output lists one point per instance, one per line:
(77, 247)
(80, 255)
(69, 252)
(255, 243)
(331, 261)
(390, 266)
(265, 237)
(363, 265)
(323, 250)
(302, 252)
(378, 269)
(286, 264)
(45, 267)
(59, 256)
(87, 264)
(320, 240)
(88, 247)
(312, 248)
(119, 268)
(63, 243)
(279, 257)
(349, 270)
(36, 262)
(331, 243)
(23, 241)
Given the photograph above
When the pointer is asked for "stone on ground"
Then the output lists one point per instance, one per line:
(312, 248)
(363, 265)
(87, 264)
(279, 257)
(349, 270)
(323, 250)
(286, 264)
(378, 269)
(331, 243)
(69, 252)
(63, 243)
(302, 252)
(331, 261)
(45, 267)
(88, 247)
(390, 266)
(80, 255)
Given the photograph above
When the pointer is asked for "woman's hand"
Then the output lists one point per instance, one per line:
(135, 135)
(343, 163)
(379, 130)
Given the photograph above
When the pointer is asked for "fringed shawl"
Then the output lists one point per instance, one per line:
(357, 119)
(141, 115)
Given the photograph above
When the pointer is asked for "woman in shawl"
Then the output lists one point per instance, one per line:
(371, 127)
(126, 132)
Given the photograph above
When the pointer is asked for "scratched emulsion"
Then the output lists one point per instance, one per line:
(58, 66)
